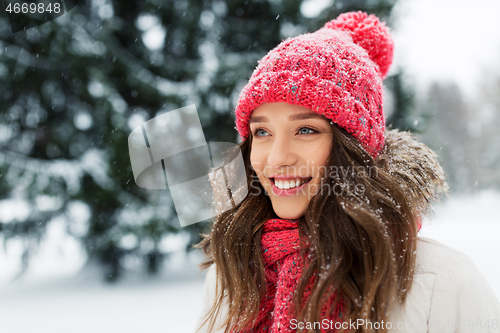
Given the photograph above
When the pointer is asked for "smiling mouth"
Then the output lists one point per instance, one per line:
(290, 183)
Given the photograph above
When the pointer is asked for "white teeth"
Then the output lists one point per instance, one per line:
(284, 185)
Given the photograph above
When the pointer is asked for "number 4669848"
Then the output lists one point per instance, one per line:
(33, 8)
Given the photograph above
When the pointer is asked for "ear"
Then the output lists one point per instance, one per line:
(415, 167)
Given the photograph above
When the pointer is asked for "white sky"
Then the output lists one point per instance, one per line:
(448, 40)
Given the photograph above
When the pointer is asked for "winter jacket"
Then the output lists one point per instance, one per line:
(448, 294)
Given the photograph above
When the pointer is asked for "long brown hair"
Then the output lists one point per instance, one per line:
(361, 229)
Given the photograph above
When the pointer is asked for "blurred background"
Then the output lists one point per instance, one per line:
(83, 248)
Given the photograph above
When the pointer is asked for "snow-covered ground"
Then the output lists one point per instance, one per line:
(82, 303)
(146, 307)
(172, 302)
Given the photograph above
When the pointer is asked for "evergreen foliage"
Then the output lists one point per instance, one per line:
(72, 89)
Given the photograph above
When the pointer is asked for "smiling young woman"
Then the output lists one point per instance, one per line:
(290, 144)
(327, 238)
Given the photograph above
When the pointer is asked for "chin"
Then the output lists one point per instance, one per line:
(286, 214)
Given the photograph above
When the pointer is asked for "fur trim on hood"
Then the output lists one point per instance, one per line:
(415, 166)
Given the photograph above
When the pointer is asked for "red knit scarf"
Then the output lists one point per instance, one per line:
(283, 264)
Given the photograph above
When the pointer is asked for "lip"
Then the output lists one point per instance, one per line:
(287, 177)
(290, 191)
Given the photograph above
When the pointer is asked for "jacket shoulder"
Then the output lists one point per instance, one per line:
(432, 255)
(447, 289)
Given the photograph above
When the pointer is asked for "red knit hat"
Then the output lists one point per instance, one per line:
(336, 71)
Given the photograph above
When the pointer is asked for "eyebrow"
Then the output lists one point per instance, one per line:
(297, 116)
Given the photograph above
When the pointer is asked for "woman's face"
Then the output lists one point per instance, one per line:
(290, 145)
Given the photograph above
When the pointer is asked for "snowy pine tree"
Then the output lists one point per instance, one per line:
(72, 89)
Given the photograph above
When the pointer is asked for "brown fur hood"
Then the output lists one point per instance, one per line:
(416, 168)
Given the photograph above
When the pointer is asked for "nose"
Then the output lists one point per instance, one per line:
(281, 153)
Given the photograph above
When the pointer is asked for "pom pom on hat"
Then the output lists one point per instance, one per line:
(368, 32)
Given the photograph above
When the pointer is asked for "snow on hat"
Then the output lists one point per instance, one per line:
(336, 71)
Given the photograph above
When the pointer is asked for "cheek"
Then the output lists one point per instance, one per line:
(255, 162)
(322, 155)
(253, 159)
(257, 156)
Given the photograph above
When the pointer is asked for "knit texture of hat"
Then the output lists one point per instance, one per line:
(336, 71)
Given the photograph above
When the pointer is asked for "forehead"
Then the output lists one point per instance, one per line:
(281, 110)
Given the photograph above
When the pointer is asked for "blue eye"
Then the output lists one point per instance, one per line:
(260, 132)
(306, 128)
(256, 132)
